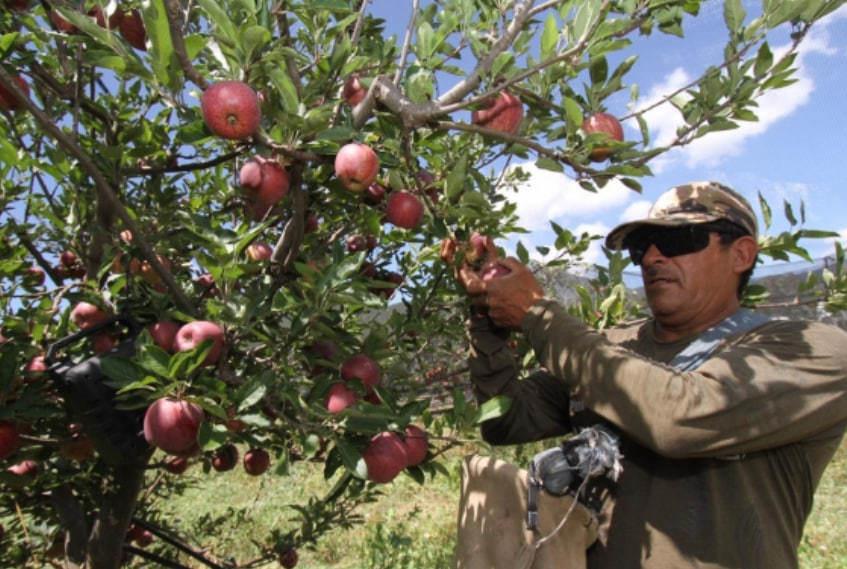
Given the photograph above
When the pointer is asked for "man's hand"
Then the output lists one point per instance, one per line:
(508, 297)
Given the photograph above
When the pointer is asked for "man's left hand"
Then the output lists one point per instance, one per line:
(508, 297)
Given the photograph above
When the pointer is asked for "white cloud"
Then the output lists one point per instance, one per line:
(773, 106)
(553, 196)
(636, 210)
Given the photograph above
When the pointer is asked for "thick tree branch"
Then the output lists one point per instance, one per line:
(174, 13)
(33, 250)
(116, 507)
(72, 515)
(104, 190)
(288, 246)
(69, 93)
(190, 167)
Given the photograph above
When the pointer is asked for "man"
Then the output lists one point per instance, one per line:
(721, 461)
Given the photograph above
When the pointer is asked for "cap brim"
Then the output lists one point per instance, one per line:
(616, 237)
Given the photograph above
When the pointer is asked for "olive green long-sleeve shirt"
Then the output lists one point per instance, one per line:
(720, 463)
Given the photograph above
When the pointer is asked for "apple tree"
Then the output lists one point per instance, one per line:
(222, 224)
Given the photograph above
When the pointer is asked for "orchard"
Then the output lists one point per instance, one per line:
(223, 224)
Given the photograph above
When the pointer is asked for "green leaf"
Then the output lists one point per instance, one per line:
(122, 370)
(456, 179)
(352, 459)
(733, 15)
(426, 41)
(574, 114)
(154, 359)
(764, 60)
(645, 130)
(789, 213)
(598, 70)
(224, 26)
(286, 89)
(253, 397)
(162, 56)
(766, 211)
(522, 253)
(6, 41)
(493, 408)
(550, 37)
(8, 369)
(183, 364)
(420, 85)
(549, 164)
(253, 40)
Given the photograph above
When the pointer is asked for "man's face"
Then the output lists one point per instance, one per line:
(691, 290)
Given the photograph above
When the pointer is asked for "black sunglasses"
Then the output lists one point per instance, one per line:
(670, 241)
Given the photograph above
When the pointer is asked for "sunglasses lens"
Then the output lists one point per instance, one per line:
(671, 241)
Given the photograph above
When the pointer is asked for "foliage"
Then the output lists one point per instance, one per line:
(112, 139)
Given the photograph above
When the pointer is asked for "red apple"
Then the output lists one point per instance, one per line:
(311, 223)
(164, 334)
(493, 270)
(206, 280)
(142, 537)
(606, 124)
(194, 333)
(9, 439)
(86, 315)
(477, 248)
(374, 194)
(225, 458)
(148, 273)
(363, 368)
(404, 210)
(354, 92)
(231, 110)
(396, 279)
(339, 398)
(17, 5)
(503, 113)
(78, 448)
(103, 343)
(35, 367)
(8, 101)
(126, 236)
(289, 558)
(416, 445)
(172, 425)
(259, 252)
(24, 473)
(71, 264)
(385, 457)
(256, 461)
(266, 182)
(33, 276)
(132, 29)
(356, 165)
(176, 464)
(356, 243)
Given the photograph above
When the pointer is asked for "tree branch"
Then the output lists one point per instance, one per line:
(174, 14)
(190, 167)
(169, 538)
(116, 507)
(71, 514)
(104, 189)
(39, 258)
(407, 42)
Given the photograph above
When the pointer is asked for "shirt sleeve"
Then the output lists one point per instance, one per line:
(779, 384)
(539, 403)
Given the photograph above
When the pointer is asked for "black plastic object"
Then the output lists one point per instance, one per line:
(117, 435)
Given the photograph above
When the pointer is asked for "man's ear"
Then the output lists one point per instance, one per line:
(744, 251)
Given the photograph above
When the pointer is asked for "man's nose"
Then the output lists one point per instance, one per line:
(652, 256)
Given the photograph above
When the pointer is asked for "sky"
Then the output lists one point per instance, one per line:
(795, 152)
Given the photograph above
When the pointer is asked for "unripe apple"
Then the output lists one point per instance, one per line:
(8, 101)
(503, 113)
(132, 29)
(194, 333)
(339, 398)
(416, 445)
(354, 92)
(103, 343)
(225, 458)
(606, 124)
(9, 439)
(172, 425)
(259, 252)
(176, 464)
(404, 210)
(288, 559)
(231, 110)
(164, 334)
(493, 270)
(385, 457)
(363, 368)
(374, 194)
(356, 165)
(256, 461)
(86, 315)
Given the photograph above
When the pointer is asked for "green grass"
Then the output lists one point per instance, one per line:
(412, 526)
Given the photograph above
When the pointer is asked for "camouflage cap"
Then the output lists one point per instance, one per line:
(696, 202)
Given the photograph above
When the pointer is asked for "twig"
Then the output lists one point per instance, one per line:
(407, 41)
(163, 561)
(104, 189)
(39, 258)
(360, 20)
(290, 64)
(167, 537)
(172, 10)
(190, 167)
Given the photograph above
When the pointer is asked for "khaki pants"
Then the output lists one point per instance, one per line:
(492, 529)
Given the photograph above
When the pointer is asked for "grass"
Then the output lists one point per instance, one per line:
(412, 526)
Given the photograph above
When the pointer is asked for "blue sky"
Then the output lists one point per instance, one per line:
(797, 150)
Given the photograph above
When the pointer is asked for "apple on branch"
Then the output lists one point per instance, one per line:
(353, 91)
(361, 367)
(164, 334)
(231, 110)
(256, 461)
(503, 113)
(416, 445)
(266, 182)
(605, 124)
(339, 398)
(225, 458)
(357, 166)
(86, 315)
(194, 333)
(9, 439)
(259, 252)
(404, 210)
(172, 425)
(385, 457)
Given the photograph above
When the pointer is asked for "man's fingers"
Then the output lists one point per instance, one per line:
(448, 250)
(471, 281)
